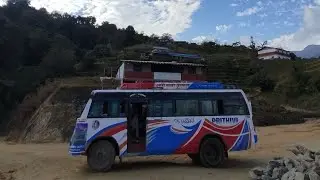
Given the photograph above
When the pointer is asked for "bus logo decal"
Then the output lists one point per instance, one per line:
(225, 120)
(95, 125)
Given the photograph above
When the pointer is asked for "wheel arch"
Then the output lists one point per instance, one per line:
(105, 138)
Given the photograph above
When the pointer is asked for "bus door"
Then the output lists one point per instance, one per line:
(137, 123)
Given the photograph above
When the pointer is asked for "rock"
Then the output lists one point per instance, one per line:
(294, 151)
(308, 156)
(289, 163)
(268, 170)
(276, 163)
(317, 158)
(276, 173)
(283, 170)
(289, 166)
(313, 175)
(304, 166)
(256, 173)
(285, 176)
(301, 168)
(265, 177)
(296, 162)
(289, 175)
(299, 176)
(316, 170)
(312, 155)
(302, 149)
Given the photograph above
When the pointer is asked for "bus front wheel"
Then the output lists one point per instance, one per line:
(212, 153)
(101, 156)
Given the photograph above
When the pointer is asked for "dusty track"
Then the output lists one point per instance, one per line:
(51, 161)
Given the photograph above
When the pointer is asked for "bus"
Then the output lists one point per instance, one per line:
(203, 120)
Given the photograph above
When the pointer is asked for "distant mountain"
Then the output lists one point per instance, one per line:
(311, 51)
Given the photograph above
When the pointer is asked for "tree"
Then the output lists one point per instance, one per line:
(166, 39)
(262, 45)
(59, 61)
(252, 43)
(293, 56)
(236, 44)
(130, 36)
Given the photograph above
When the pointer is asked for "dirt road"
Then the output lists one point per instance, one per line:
(52, 162)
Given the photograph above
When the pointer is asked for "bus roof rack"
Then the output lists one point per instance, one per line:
(177, 85)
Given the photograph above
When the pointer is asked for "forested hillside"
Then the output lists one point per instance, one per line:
(36, 47)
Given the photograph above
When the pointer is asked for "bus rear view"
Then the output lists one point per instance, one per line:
(203, 120)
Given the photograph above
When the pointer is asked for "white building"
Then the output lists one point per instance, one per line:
(269, 53)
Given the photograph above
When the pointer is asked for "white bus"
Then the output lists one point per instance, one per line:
(203, 120)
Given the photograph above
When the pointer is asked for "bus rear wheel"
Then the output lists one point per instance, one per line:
(212, 153)
(101, 156)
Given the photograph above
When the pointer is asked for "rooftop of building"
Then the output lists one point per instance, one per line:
(164, 62)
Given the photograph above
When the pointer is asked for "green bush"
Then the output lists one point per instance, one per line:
(262, 80)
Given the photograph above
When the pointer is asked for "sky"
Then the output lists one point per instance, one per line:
(288, 24)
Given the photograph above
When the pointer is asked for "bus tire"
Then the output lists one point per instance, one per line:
(212, 153)
(101, 156)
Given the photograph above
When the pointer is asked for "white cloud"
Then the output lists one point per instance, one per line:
(2, 2)
(249, 11)
(223, 28)
(245, 40)
(200, 39)
(234, 5)
(308, 34)
(156, 16)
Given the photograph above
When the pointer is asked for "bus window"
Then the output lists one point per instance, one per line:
(155, 108)
(208, 108)
(167, 108)
(186, 108)
(235, 105)
(113, 109)
(123, 109)
(103, 109)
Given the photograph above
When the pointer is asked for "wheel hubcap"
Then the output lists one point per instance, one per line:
(210, 154)
(100, 156)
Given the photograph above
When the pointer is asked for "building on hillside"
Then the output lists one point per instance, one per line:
(269, 53)
(155, 71)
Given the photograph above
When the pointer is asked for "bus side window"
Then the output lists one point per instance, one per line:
(167, 108)
(122, 109)
(235, 105)
(186, 108)
(220, 107)
(154, 108)
(208, 108)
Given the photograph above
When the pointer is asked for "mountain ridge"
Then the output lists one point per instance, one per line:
(311, 51)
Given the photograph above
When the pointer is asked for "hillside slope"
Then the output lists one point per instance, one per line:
(54, 119)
